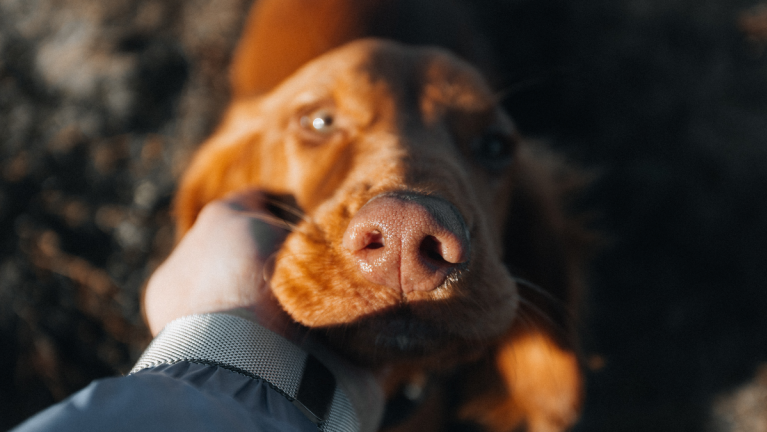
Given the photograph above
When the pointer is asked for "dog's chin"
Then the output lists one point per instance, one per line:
(398, 336)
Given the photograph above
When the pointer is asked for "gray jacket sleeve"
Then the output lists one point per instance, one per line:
(210, 372)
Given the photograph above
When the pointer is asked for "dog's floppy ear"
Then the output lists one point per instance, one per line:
(226, 162)
(282, 35)
(532, 378)
(527, 382)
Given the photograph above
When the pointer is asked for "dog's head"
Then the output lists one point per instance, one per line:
(402, 163)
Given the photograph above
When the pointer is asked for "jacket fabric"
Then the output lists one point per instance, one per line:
(210, 372)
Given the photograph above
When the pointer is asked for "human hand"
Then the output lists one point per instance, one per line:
(219, 266)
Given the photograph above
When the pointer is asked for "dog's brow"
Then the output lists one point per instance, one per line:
(317, 94)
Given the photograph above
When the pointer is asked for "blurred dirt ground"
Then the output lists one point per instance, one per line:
(101, 104)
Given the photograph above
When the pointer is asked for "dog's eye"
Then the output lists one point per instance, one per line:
(494, 150)
(319, 121)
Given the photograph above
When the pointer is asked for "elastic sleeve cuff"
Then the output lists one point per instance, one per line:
(241, 345)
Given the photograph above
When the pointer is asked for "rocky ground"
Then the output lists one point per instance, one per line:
(101, 104)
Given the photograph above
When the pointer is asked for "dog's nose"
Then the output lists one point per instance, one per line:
(407, 242)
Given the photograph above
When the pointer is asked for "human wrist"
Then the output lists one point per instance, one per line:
(360, 385)
(334, 395)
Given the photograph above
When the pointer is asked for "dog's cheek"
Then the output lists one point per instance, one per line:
(493, 294)
(217, 169)
(491, 291)
(476, 309)
(316, 171)
(297, 281)
(312, 284)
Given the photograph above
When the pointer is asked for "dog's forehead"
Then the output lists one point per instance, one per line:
(425, 76)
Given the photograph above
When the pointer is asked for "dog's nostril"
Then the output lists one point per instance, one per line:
(432, 248)
(374, 240)
(374, 245)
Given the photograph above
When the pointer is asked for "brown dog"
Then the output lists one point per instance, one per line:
(421, 210)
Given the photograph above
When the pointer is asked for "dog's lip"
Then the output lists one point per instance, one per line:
(406, 333)
(383, 338)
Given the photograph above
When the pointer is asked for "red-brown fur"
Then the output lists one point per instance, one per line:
(406, 120)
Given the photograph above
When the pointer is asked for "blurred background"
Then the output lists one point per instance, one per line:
(102, 103)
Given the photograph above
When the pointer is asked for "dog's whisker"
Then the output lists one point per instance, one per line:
(557, 306)
(268, 267)
(528, 309)
(525, 320)
(287, 208)
(535, 287)
(551, 298)
(273, 220)
(528, 306)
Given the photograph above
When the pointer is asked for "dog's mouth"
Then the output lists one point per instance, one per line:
(397, 334)
(402, 331)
